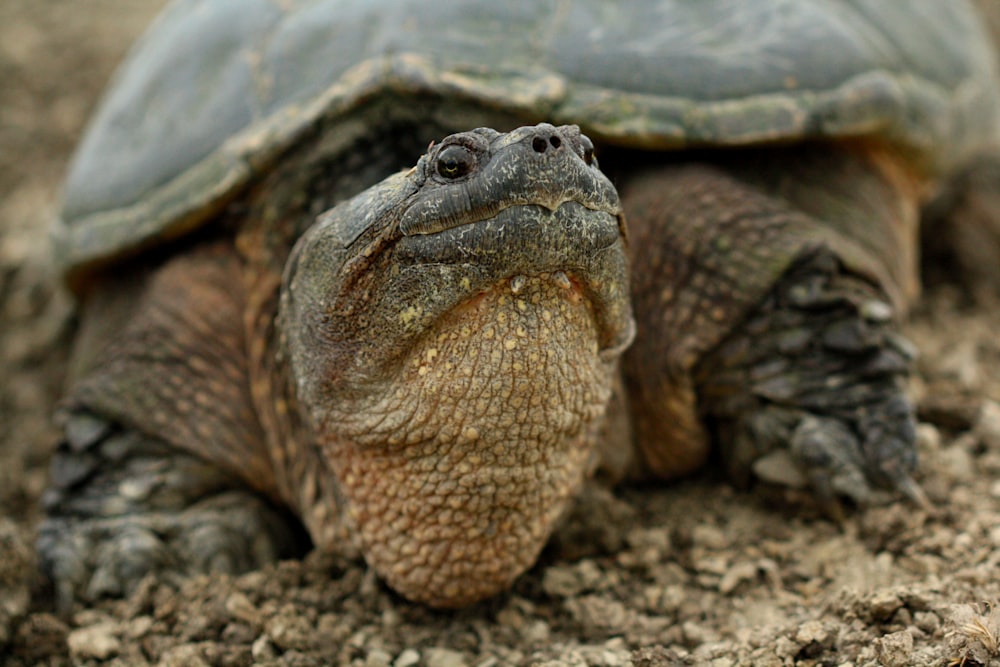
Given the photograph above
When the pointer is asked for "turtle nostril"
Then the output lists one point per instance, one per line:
(538, 144)
(555, 141)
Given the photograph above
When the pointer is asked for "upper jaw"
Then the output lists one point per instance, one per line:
(536, 203)
(441, 270)
(540, 165)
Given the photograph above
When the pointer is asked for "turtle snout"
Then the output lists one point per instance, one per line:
(546, 138)
(541, 143)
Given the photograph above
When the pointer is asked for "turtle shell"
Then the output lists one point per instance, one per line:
(217, 89)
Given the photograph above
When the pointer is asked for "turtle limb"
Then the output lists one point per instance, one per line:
(164, 466)
(769, 330)
(122, 505)
(703, 254)
(817, 372)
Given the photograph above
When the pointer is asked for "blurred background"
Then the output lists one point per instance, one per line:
(55, 58)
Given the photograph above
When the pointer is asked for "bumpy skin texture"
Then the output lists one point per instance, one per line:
(455, 478)
(500, 296)
(768, 324)
(434, 382)
(429, 376)
(163, 467)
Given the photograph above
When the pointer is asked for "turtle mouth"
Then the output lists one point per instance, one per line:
(566, 230)
(577, 248)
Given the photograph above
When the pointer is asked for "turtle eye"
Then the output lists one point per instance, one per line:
(455, 161)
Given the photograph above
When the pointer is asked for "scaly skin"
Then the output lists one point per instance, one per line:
(429, 374)
(458, 434)
(456, 475)
(768, 290)
(447, 343)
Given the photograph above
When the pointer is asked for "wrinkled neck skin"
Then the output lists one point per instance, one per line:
(457, 465)
(457, 401)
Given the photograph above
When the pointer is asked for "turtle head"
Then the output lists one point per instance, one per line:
(452, 334)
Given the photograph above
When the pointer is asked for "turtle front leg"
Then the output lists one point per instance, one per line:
(771, 330)
(122, 505)
(817, 371)
(164, 467)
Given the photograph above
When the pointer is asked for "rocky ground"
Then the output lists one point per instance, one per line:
(693, 574)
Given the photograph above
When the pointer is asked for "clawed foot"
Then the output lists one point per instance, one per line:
(810, 390)
(90, 558)
(834, 460)
(122, 507)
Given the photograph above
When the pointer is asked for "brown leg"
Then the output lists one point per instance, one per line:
(770, 328)
(162, 467)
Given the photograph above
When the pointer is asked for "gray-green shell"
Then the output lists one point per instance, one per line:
(217, 88)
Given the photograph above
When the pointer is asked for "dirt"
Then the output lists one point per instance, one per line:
(695, 573)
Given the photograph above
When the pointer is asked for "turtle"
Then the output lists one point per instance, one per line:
(350, 272)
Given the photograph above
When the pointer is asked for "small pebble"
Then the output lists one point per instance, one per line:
(987, 425)
(884, 604)
(895, 650)
(928, 437)
(290, 632)
(408, 658)
(98, 642)
(185, 655)
(239, 607)
(536, 632)
(709, 537)
(443, 657)
(571, 580)
(957, 463)
(736, 575)
(378, 658)
(786, 648)
(812, 632)
(139, 626)
(927, 621)
(262, 649)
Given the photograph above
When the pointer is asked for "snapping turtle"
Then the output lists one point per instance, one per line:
(292, 335)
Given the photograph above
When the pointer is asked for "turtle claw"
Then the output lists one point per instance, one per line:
(833, 509)
(837, 459)
(834, 402)
(123, 506)
(908, 486)
(89, 558)
(830, 456)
